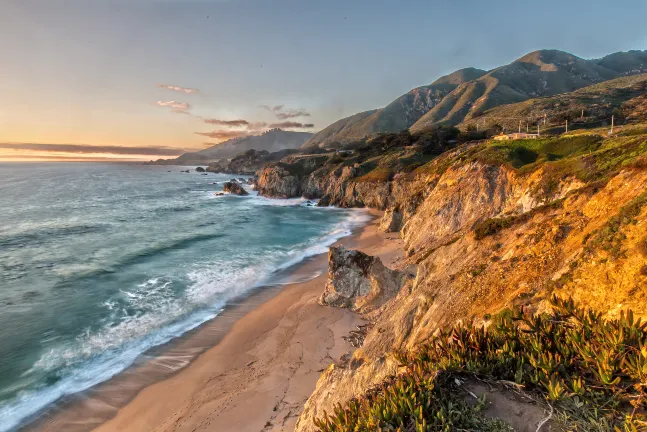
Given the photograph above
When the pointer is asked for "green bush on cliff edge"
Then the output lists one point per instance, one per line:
(591, 370)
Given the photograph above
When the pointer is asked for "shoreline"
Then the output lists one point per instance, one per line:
(131, 399)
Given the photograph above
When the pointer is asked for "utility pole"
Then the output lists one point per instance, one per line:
(519, 126)
(537, 129)
(582, 114)
(612, 119)
(566, 126)
(544, 119)
(527, 128)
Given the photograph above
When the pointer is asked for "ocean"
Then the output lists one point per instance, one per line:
(101, 262)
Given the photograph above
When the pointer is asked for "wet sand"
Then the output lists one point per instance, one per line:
(266, 354)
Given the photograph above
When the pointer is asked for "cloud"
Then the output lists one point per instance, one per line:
(288, 114)
(256, 126)
(174, 104)
(184, 90)
(274, 108)
(229, 123)
(223, 135)
(283, 114)
(238, 124)
(87, 148)
(292, 125)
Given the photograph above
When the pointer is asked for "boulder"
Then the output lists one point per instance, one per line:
(358, 281)
(199, 169)
(391, 221)
(234, 188)
(324, 201)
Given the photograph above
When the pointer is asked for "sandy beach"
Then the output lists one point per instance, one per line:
(258, 375)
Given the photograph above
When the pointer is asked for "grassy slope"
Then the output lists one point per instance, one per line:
(623, 97)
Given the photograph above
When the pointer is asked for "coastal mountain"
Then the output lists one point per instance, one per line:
(398, 115)
(272, 141)
(468, 93)
(540, 73)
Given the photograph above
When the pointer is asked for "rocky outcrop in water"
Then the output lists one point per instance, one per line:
(234, 188)
(358, 281)
(286, 179)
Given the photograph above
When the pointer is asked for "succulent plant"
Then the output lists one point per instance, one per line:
(571, 356)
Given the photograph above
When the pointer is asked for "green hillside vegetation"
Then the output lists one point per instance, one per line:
(589, 107)
(592, 372)
(589, 157)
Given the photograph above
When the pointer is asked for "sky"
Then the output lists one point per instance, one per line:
(148, 79)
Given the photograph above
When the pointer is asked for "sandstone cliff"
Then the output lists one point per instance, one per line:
(489, 227)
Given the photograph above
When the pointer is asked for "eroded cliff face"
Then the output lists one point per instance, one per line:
(587, 241)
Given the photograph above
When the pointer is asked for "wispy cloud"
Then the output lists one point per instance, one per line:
(222, 135)
(230, 123)
(87, 148)
(283, 113)
(292, 125)
(174, 105)
(288, 114)
(185, 90)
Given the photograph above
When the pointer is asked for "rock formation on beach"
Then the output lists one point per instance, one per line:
(359, 281)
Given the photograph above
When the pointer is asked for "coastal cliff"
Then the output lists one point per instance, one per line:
(486, 226)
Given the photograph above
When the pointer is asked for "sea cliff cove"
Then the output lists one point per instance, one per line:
(244, 216)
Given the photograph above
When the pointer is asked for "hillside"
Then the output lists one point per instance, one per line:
(328, 134)
(488, 227)
(271, 141)
(625, 98)
(467, 93)
(540, 73)
(398, 115)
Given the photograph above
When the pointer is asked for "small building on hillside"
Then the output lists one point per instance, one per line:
(515, 136)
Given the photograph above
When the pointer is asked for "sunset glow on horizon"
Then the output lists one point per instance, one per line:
(191, 74)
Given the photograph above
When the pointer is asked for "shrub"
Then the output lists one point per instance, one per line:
(594, 371)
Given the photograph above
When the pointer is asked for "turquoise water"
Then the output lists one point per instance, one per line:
(100, 262)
